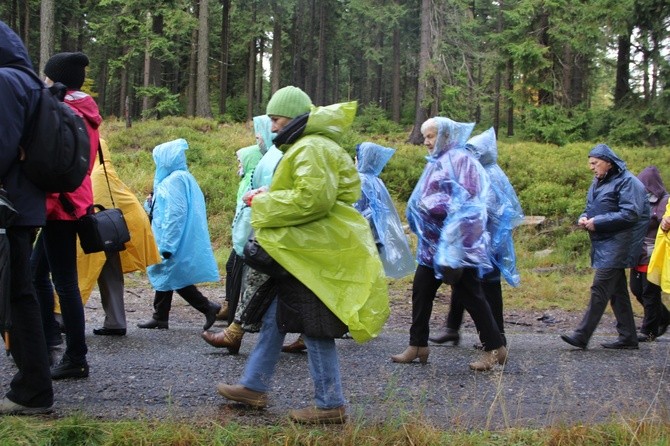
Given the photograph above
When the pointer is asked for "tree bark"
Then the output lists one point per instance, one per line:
(47, 33)
(395, 83)
(202, 105)
(622, 84)
(424, 58)
(225, 50)
(275, 77)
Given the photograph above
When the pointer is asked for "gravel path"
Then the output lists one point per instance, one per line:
(171, 374)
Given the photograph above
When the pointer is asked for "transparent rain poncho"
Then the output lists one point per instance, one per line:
(447, 209)
(377, 207)
(504, 211)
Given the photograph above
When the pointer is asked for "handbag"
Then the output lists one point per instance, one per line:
(104, 230)
(258, 258)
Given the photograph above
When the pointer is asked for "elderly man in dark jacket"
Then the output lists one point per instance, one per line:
(30, 390)
(616, 216)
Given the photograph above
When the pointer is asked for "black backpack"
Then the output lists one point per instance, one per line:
(55, 142)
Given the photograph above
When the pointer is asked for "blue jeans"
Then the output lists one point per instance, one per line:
(56, 253)
(324, 366)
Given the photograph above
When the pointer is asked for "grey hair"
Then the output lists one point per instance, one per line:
(428, 124)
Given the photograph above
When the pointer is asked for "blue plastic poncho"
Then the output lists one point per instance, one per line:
(377, 207)
(263, 132)
(447, 209)
(308, 224)
(503, 206)
(179, 223)
(249, 158)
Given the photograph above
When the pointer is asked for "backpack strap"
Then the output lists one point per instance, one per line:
(102, 161)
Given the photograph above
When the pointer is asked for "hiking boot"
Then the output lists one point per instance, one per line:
(410, 354)
(66, 368)
(572, 340)
(9, 407)
(241, 394)
(296, 346)
(620, 345)
(153, 323)
(314, 415)
(230, 338)
(449, 335)
(222, 315)
(489, 359)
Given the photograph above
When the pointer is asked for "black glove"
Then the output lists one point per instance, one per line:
(451, 276)
(166, 255)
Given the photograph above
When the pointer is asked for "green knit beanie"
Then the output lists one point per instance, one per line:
(289, 102)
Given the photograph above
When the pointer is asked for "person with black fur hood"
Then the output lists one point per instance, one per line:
(30, 390)
(656, 315)
(616, 217)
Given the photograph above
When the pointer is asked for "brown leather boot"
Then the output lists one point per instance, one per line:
(489, 359)
(230, 338)
(296, 346)
(222, 315)
(411, 353)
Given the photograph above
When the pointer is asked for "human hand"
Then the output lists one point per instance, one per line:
(665, 224)
(249, 195)
(589, 224)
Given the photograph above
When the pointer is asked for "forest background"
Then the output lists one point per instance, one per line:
(554, 71)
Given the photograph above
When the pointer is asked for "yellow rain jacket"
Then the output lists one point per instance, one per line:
(308, 224)
(658, 271)
(141, 250)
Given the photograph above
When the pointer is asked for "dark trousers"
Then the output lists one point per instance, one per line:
(649, 295)
(467, 290)
(31, 385)
(609, 285)
(492, 289)
(191, 294)
(56, 253)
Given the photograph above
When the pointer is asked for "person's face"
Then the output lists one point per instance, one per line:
(599, 167)
(279, 122)
(429, 138)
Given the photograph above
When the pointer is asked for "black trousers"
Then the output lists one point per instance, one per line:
(31, 385)
(191, 294)
(649, 295)
(609, 285)
(492, 288)
(467, 290)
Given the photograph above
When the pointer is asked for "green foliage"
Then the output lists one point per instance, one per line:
(373, 120)
(167, 104)
(554, 125)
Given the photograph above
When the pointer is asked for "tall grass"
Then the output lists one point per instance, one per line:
(78, 430)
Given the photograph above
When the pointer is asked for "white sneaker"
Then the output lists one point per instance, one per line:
(9, 407)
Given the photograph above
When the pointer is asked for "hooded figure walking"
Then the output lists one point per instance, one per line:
(617, 218)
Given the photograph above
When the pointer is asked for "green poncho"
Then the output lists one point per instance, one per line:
(308, 224)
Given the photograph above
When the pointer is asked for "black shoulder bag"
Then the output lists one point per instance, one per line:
(104, 230)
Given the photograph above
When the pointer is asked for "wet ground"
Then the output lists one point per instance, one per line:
(172, 374)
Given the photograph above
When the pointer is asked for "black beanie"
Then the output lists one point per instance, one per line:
(68, 69)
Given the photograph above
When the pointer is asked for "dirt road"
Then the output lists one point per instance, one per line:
(171, 374)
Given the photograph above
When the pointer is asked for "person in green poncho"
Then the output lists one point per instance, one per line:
(306, 221)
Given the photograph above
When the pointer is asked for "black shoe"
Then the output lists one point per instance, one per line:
(210, 316)
(645, 337)
(153, 323)
(68, 369)
(109, 331)
(449, 335)
(574, 341)
(620, 345)
(662, 328)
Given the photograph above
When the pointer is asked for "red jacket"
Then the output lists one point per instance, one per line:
(82, 197)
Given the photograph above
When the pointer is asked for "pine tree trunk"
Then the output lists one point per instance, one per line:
(424, 58)
(47, 33)
(225, 49)
(202, 105)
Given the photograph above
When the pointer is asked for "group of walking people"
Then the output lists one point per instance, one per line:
(331, 228)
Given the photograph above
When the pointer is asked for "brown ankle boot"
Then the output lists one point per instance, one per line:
(222, 315)
(230, 338)
(411, 353)
(489, 359)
